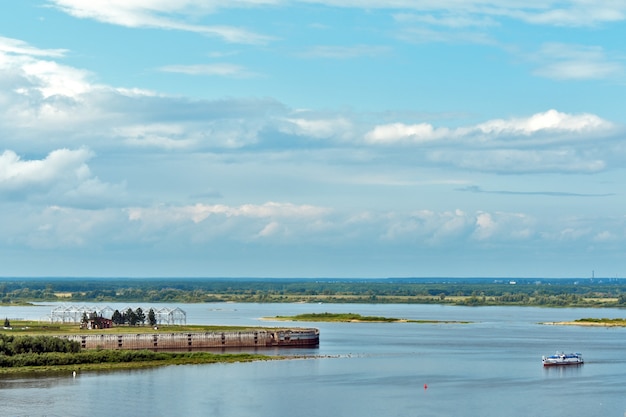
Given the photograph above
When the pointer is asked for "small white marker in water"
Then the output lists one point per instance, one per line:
(73, 374)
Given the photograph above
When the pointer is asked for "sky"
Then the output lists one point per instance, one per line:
(312, 138)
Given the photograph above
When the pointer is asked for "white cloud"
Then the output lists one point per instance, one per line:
(59, 165)
(200, 212)
(551, 12)
(502, 227)
(201, 228)
(218, 69)
(319, 128)
(34, 76)
(427, 35)
(159, 14)
(62, 178)
(16, 46)
(447, 19)
(45, 102)
(549, 122)
(247, 222)
(551, 141)
(575, 13)
(575, 62)
(402, 133)
(344, 52)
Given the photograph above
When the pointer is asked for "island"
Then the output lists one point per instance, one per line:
(591, 322)
(352, 318)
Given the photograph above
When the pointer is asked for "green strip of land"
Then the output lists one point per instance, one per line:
(57, 329)
(121, 359)
(352, 318)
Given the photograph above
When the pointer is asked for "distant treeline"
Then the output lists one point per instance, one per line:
(470, 291)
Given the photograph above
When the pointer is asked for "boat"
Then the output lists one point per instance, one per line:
(561, 359)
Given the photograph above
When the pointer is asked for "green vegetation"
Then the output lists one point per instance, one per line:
(602, 322)
(351, 317)
(11, 345)
(455, 291)
(116, 359)
(341, 317)
(49, 353)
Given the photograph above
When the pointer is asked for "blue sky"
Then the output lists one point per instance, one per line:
(328, 138)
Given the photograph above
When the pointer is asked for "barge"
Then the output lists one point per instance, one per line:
(288, 337)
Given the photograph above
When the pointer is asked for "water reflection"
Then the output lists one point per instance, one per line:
(562, 371)
(36, 381)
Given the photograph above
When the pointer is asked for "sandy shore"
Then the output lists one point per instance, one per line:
(585, 323)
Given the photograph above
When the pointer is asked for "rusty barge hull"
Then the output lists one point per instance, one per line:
(200, 340)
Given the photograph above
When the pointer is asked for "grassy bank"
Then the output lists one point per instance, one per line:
(103, 360)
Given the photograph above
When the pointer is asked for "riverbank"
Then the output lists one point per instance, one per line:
(123, 360)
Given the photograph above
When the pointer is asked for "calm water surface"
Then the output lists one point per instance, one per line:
(490, 367)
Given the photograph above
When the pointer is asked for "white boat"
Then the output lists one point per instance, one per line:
(560, 359)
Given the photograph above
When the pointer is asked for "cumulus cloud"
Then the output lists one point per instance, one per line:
(402, 133)
(247, 222)
(551, 141)
(61, 164)
(34, 75)
(47, 102)
(63, 177)
(502, 227)
(550, 122)
(287, 223)
(55, 105)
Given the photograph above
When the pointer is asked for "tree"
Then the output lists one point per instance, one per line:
(7, 323)
(141, 317)
(130, 317)
(152, 318)
(117, 318)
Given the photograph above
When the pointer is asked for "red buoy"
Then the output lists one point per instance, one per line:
(425, 386)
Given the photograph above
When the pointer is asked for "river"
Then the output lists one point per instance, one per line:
(488, 367)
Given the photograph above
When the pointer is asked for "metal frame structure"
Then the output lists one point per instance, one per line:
(74, 314)
(167, 315)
